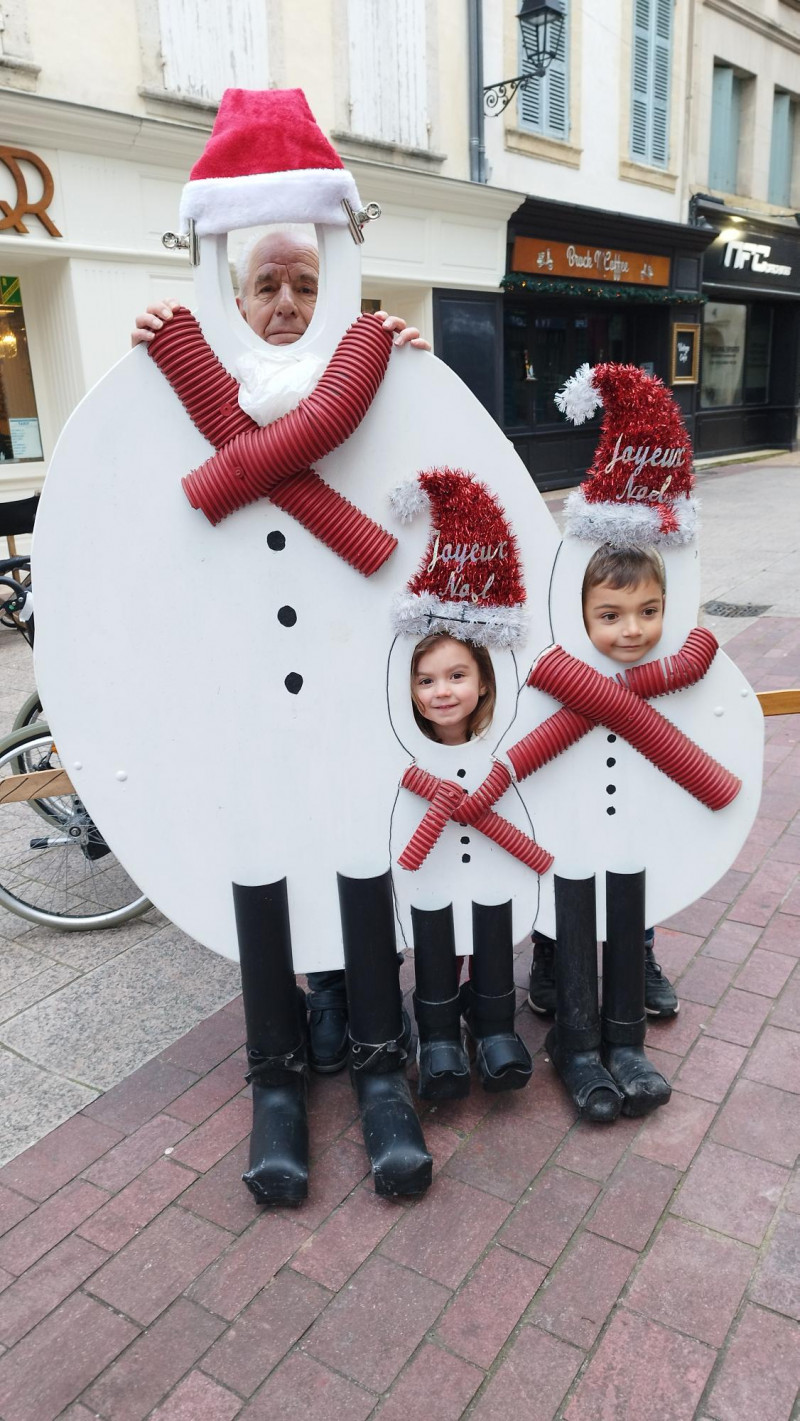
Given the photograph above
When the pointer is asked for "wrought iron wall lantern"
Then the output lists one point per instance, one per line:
(542, 25)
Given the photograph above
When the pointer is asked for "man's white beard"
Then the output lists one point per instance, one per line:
(275, 380)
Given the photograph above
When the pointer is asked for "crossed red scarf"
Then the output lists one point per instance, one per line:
(588, 699)
(252, 462)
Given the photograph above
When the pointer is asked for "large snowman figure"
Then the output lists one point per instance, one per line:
(223, 709)
(643, 761)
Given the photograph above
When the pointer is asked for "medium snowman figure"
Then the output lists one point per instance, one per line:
(466, 878)
(242, 736)
(644, 756)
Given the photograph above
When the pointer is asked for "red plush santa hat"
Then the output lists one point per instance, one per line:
(639, 488)
(266, 161)
(469, 582)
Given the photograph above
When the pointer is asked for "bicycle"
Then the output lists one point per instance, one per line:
(65, 875)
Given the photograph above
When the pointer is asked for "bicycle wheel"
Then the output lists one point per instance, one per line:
(29, 712)
(60, 873)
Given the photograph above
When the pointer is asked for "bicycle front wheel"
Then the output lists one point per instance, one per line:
(55, 867)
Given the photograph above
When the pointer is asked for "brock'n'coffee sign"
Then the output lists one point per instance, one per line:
(583, 262)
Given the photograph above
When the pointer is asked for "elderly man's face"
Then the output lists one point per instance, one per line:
(281, 290)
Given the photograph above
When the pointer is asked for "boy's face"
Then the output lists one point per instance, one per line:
(625, 623)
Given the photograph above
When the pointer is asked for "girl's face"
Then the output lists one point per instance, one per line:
(446, 688)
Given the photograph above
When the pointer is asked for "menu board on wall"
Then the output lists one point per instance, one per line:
(25, 438)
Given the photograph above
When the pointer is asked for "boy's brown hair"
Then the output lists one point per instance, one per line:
(481, 717)
(622, 568)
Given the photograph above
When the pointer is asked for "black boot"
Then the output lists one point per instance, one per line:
(489, 1002)
(573, 1044)
(624, 1020)
(328, 1036)
(275, 1015)
(442, 1060)
(378, 1041)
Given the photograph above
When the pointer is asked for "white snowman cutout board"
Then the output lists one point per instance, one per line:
(603, 805)
(222, 705)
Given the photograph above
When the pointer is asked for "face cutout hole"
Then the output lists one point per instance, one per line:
(276, 280)
(453, 689)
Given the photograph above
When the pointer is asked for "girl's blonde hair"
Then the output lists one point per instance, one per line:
(481, 717)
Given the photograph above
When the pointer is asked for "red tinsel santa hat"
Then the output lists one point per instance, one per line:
(639, 488)
(266, 161)
(469, 582)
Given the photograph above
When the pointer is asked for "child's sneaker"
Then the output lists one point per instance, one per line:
(542, 985)
(660, 997)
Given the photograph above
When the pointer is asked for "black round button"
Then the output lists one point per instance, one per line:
(465, 858)
(293, 682)
(611, 810)
(611, 763)
(611, 739)
(276, 541)
(461, 774)
(287, 616)
(465, 839)
(611, 789)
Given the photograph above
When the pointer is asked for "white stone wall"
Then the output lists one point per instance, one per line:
(762, 42)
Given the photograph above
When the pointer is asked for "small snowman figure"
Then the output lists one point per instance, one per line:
(644, 806)
(466, 879)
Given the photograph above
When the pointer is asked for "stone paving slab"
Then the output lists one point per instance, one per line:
(554, 1270)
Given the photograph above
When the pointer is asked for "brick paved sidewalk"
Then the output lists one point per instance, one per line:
(650, 1269)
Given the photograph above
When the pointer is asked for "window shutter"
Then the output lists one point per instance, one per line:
(662, 54)
(652, 54)
(640, 101)
(388, 71)
(724, 146)
(211, 45)
(780, 157)
(544, 103)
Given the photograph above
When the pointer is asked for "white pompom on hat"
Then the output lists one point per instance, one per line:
(267, 160)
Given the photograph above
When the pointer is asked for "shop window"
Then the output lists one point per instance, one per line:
(544, 103)
(388, 71)
(726, 121)
(781, 155)
(737, 341)
(20, 441)
(207, 47)
(652, 55)
(543, 350)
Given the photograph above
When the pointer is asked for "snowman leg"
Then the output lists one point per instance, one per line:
(275, 1016)
(443, 1062)
(573, 1044)
(378, 1041)
(624, 1020)
(489, 999)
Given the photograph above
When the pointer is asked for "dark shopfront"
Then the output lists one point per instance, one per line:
(581, 285)
(749, 375)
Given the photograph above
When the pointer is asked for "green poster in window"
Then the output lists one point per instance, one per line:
(10, 294)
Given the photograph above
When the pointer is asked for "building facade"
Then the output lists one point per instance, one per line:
(589, 218)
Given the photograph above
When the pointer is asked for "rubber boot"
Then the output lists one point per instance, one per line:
(624, 1020)
(275, 1016)
(489, 1002)
(379, 1043)
(441, 1058)
(573, 1044)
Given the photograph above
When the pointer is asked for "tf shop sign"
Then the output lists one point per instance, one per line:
(754, 259)
(538, 257)
(18, 163)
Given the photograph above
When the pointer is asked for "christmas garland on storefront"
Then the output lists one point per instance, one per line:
(605, 291)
